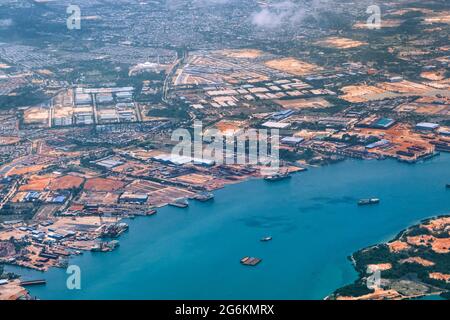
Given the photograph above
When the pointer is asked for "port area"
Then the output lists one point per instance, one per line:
(250, 261)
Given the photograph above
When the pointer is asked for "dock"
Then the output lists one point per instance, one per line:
(250, 261)
(33, 282)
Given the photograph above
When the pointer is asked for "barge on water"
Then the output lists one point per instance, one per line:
(364, 202)
(278, 177)
(250, 261)
(204, 196)
(180, 203)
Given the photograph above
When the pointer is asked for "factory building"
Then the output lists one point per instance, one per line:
(427, 126)
(137, 198)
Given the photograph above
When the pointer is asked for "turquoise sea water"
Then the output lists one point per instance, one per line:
(313, 218)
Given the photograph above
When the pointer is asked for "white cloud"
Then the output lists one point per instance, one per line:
(285, 12)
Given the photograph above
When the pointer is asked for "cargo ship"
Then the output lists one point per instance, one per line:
(180, 203)
(364, 202)
(278, 177)
(204, 196)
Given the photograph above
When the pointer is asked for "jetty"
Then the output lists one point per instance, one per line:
(33, 282)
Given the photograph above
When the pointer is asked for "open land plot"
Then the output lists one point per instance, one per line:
(64, 99)
(36, 115)
(438, 17)
(440, 276)
(66, 182)
(296, 104)
(144, 155)
(167, 195)
(438, 245)
(385, 90)
(440, 84)
(46, 212)
(132, 168)
(433, 75)
(293, 66)
(360, 93)
(12, 291)
(144, 186)
(195, 179)
(8, 140)
(423, 108)
(36, 183)
(21, 170)
(103, 184)
(341, 43)
(80, 223)
(103, 198)
(229, 127)
(242, 53)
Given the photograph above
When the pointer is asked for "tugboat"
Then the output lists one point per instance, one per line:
(266, 239)
(364, 202)
(278, 176)
(180, 203)
(204, 196)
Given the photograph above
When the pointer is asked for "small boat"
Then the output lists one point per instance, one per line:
(364, 202)
(204, 196)
(265, 239)
(151, 212)
(278, 177)
(180, 203)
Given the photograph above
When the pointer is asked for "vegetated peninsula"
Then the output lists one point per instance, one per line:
(413, 265)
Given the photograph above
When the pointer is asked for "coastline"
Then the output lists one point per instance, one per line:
(435, 281)
(320, 169)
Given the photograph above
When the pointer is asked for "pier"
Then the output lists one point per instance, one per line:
(33, 282)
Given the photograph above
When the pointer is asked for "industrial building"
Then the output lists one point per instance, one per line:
(137, 198)
(292, 141)
(427, 126)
